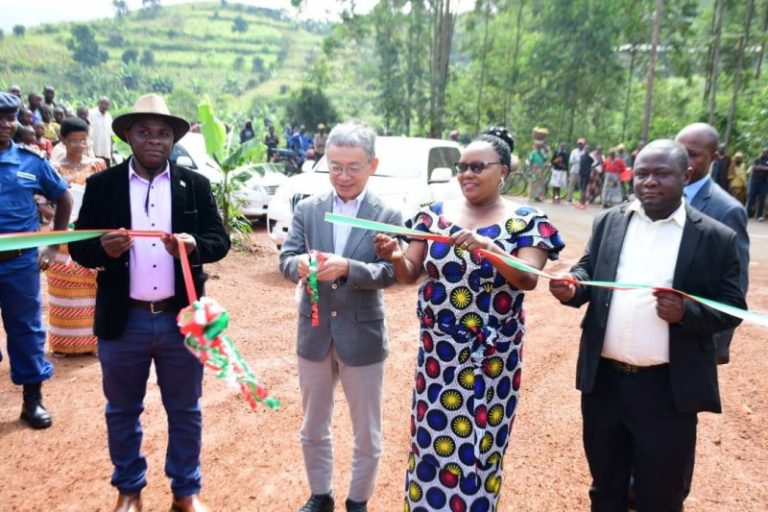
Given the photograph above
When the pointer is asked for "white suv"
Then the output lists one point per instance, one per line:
(411, 172)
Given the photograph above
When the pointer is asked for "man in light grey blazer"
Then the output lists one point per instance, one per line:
(350, 342)
(702, 141)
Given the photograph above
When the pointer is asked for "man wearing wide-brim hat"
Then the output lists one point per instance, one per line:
(140, 291)
(24, 173)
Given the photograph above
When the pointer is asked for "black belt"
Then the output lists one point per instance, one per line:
(158, 306)
(10, 255)
(631, 369)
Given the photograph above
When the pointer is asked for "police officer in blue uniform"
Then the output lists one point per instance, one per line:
(24, 173)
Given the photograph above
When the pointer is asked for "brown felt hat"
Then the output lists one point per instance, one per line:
(150, 105)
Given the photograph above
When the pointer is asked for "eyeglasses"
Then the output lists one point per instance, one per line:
(475, 167)
(352, 170)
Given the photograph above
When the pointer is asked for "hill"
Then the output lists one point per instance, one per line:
(183, 51)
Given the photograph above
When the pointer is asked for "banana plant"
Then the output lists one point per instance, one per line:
(230, 156)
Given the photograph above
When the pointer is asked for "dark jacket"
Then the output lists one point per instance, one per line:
(707, 265)
(106, 205)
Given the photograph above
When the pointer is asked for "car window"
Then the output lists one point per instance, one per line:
(443, 157)
(179, 151)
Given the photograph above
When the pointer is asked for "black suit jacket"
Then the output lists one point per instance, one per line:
(106, 205)
(707, 266)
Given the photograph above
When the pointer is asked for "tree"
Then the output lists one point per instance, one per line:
(310, 106)
(2, 34)
(149, 9)
(710, 92)
(19, 30)
(652, 69)
(257, 65)
(238, 63)
(239, 25)
(762, 45)
(121, 8)
(130, 55)
(443, 24)
(483, 7)
(386, 21)
(741, 50)
(147, 58)
(84, 47)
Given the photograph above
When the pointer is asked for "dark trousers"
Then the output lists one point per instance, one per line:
(125, 363)
(756, 200)
(630, 423)
(583, 187)
(21, 308)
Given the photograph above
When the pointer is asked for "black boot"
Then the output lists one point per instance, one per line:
(319, 503)
(33, 411)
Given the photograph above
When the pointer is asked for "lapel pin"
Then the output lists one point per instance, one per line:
(183, 184)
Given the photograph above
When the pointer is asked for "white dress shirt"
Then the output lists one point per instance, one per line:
(573, 160)
(349, 208)
(634, 332)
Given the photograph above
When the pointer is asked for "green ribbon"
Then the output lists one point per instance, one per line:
(750, 316)
(372, 225)
(18, 241)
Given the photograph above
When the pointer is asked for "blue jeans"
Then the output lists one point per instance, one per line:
(21, 309)
(125, 363)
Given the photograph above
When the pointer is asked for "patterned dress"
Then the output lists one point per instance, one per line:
(469, 364)
(72, 290)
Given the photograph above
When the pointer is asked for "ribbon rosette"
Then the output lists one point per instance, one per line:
(203, 323)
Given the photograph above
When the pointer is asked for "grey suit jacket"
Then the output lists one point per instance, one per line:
(351, 309)
(715, 202)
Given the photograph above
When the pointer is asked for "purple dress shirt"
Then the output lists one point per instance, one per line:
(151, 266)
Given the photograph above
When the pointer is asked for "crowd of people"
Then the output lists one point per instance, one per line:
(300, 145)
(647, 357)
(40, 118)
(606, 179)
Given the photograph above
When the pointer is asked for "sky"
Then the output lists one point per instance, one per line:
(35, 12)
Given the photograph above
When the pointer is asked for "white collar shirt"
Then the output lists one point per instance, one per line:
(350, 209)
(634, 332)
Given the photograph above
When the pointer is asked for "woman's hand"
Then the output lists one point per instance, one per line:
(470, 241)
(387, 248)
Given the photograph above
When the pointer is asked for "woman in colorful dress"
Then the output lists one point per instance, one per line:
(72, 288)
(472, 326)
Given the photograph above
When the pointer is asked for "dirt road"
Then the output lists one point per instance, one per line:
(252, 460)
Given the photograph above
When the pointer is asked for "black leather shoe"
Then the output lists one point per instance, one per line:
(356, 506)
(319, 503)
(33, 412)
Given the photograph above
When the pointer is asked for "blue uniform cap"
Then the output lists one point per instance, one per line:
(9, 103)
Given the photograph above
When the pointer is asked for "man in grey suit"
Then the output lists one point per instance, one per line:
(350, 342)
(702, 193)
